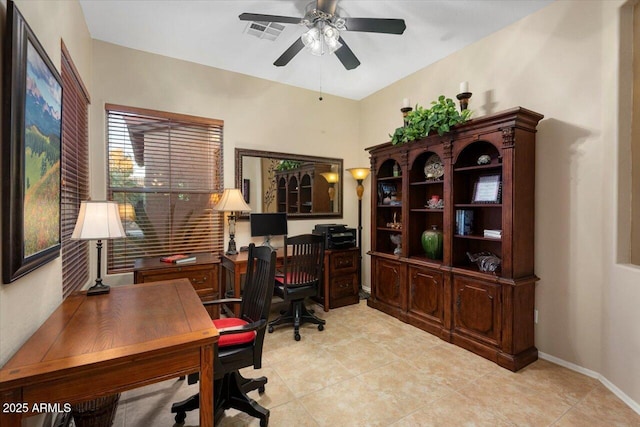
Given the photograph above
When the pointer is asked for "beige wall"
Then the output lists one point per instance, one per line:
(27, 302)
(635, 142)
(258, 114)
(562, 62)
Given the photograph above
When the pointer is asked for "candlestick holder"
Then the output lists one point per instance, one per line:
(464, 100)
(405, 111)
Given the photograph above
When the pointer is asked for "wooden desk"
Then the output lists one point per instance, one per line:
(101, 345)
(339, 286)
(202, 273)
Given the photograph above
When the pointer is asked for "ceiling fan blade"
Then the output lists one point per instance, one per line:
(289, 53)
(268, 18)
(327, 6)
(346, 56)
(375, 25)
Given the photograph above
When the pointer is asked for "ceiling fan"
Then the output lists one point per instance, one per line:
(324, 27)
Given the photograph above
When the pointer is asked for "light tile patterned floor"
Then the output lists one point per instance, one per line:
(369, 369)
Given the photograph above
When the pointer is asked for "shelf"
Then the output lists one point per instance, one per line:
(476, 271)
(477, 205)
(476, 237)
(390, 178)
(425, 259)
(395, 230)
(479, 168)
(389, 206)
(419, 183)
(427, 210)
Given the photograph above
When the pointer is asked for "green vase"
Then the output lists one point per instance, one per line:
(432, 242)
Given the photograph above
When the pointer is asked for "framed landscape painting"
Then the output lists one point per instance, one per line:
(32, 126)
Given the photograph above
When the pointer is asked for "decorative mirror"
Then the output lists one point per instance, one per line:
(302, 186)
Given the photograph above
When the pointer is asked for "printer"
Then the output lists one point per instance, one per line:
(337, 236)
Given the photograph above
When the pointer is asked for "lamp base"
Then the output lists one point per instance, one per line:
(98, 289)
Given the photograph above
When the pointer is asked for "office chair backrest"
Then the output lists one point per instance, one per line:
(303, 260)
(258, 289)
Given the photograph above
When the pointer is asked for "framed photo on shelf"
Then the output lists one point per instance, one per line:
(387, 192)
(487, 189)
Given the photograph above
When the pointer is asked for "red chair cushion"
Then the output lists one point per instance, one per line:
(233, 339)
(280, 278)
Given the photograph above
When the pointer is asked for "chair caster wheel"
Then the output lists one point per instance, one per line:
(270, 329)
(320, 327)
(296, 337)
(180, 417)
(261, 389)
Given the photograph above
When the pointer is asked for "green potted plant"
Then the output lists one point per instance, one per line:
(441, 117)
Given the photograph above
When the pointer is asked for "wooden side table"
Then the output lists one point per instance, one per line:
(203, 274)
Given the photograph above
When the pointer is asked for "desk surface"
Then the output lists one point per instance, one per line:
(133, 336)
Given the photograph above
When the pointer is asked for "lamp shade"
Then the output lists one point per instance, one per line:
(98, 220)
(359, 173)
(232, 201)
(331, 177)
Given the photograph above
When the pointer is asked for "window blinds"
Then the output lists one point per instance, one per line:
(74, 186)
(165, 170)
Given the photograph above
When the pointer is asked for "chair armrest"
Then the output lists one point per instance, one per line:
(254, 326)
(223, 301)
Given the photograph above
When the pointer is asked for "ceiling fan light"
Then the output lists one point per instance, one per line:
(332, 44)
(311, 37)
(330, 33)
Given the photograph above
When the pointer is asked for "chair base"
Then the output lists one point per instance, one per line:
(229, 392)
(297, 314)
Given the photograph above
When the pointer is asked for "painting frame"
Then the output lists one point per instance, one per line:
(31, 152)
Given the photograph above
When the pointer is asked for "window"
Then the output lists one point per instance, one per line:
(165, 171)
(74, 174)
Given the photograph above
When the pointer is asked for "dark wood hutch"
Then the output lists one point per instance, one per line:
(303, 189)
(488, 313)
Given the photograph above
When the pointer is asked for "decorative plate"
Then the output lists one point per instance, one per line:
(434, 168)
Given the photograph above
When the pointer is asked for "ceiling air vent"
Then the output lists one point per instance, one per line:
(264, 30)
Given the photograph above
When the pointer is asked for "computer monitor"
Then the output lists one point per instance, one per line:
(267, 225)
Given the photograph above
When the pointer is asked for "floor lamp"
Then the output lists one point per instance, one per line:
(98, 220)
(232, 201)
(360, 174)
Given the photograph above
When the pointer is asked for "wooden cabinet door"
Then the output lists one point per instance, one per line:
(387, 280)
(426, 293)
(477, 309)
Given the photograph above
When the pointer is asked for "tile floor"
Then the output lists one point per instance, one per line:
(369, 369)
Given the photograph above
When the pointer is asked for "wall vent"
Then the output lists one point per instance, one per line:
(264, 30)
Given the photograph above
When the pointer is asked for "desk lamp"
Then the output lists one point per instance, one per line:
(232, 201)
(98, 220)
(360, 174)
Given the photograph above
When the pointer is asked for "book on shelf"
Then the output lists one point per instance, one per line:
(178, 259)
(496, 234)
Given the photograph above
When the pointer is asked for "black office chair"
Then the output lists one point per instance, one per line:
(300, 278)
(240, 343)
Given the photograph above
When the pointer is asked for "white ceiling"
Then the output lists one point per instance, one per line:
(210, 33)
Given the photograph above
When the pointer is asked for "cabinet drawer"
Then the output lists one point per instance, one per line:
(344, 285)
(201, 279)
(344, 262)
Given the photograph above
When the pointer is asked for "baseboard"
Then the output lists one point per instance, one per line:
(588, 372)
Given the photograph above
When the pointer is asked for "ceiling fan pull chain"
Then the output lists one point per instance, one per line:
(320, 97)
